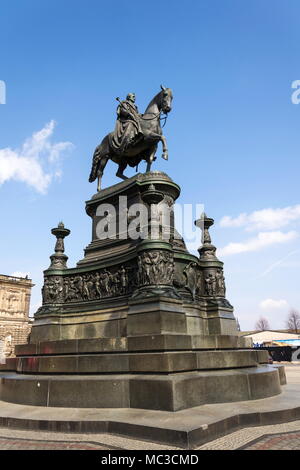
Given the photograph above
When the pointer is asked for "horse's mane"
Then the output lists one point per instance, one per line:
(155, 99)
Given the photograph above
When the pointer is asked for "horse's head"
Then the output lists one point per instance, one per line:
(166, 99)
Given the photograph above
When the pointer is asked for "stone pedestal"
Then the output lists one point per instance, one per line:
(139, 322)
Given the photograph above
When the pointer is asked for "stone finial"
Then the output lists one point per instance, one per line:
(59, 259)
(214, 280)
(207, 250)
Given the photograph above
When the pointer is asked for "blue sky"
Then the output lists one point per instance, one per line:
(233, 133)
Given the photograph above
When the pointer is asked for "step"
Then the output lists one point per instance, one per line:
(133, 343)
(151, 362)
(170, 392)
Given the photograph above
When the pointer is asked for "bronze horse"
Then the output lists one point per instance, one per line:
(144, 148)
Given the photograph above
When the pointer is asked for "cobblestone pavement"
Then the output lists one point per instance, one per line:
(287, 441)
(39, 444)
(273, 437)
(13, 439)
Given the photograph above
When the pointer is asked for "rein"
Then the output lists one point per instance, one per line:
(150, 119)
(155, 116)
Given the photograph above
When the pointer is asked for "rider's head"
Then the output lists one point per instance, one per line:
(131, 97)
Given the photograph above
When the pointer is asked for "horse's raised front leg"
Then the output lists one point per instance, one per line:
(165, 154)
(158, 137)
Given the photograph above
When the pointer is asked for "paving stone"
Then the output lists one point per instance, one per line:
(282, 441)
(32, 444)
(283, 436)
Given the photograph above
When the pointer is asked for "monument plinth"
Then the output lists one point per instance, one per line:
(139, 322)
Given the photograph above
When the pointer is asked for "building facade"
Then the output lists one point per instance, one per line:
(272, 338)
(15, 324)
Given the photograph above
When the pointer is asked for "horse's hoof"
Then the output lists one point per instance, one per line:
(165, 156)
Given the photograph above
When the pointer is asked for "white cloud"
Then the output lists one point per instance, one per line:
(36, 163)
(271, 304)
(265, 219)
(262, 240)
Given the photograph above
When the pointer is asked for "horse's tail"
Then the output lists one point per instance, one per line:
(98, 154)
(96, 160)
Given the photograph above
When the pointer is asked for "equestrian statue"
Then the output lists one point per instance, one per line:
(135, 137)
